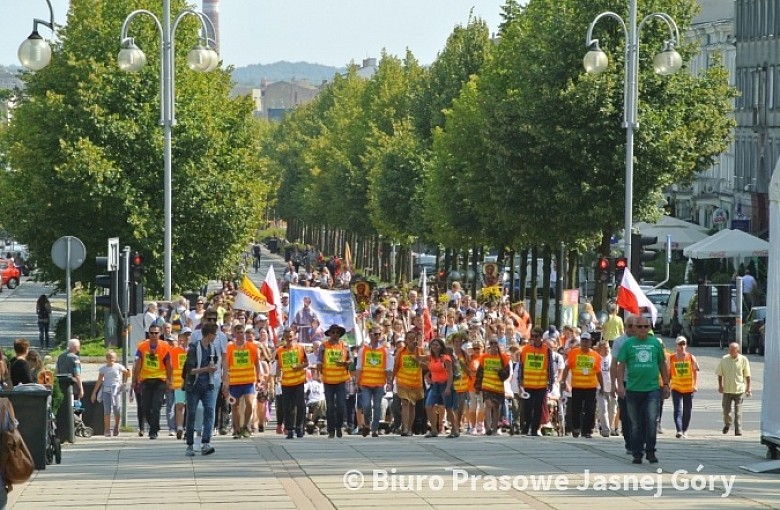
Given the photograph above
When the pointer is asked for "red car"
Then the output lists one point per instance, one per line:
(10, 273)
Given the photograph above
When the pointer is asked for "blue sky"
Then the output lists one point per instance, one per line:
(331, 32)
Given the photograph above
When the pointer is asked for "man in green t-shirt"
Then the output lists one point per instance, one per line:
(643, 355)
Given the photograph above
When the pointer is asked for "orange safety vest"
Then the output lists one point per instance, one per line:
(409, 372)
(536, 366)
(373, 370)
(286, 357)
(241, 363)
(681, 372)
(152, 362)
(473, 380)
(461, 384)
(331, 354)
(583, 368)
(178, 359)
(491, 364)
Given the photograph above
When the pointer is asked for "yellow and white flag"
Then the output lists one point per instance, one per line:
(249, 298)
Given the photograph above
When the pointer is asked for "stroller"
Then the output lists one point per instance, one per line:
(79, 428)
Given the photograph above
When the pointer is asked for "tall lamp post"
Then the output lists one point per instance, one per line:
(202, 58)
(35, 53)
(668, 61)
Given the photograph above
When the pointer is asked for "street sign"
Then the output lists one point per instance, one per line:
(113, 254)
(68, 252)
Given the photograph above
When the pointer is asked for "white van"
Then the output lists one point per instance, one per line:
(672, 318)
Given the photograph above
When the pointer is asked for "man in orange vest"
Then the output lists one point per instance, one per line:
(240, 377)
(536, 377)
(407, 373)
(332, 363)
(154, 372)
(291, 365)
(584, 364)
(374, 372)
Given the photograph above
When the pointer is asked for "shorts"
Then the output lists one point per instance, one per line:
(239, 390)
(491, 396)
(410, 394)
(436, 395)
(179, 397)
(475, 400)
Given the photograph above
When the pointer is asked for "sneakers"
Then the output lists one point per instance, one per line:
(299, 432)
(737, 432)
(179, 433)
(153, 435)
(637, 459)
(236, 435)
(658, 429)
(473, 432)
(206, 449)
(614, 433)
(116, 431)
(678, 435)
(588, 436)
(222, 431)
(171, 433)
(374, 434)
(685, 435)
(331, 435)
(290, 434)
(189, 452)
(108, 434)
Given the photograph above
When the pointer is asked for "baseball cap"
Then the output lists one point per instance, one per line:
(185, 331)
(261, 317)
(585, 336)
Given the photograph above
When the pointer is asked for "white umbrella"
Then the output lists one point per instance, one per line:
(683, 233)
(728, 244)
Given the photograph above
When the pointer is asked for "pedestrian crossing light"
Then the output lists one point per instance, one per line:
(602, 269)
(640, 256)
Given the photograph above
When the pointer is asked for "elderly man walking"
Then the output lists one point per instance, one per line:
(733, 373)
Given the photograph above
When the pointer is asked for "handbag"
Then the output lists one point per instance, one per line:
(15, 460)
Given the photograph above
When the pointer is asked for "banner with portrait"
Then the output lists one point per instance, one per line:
(328, 307)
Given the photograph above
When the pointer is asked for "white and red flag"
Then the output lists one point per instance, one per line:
(632, 298)
(270, 289)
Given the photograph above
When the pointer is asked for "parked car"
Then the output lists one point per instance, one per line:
(752, 336)
(660, 298)
(677, 303)
(699, 327)
(10, 273)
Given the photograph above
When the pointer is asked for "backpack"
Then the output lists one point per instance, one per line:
(15, 459)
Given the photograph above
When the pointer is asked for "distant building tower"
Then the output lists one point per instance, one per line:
(211, 9)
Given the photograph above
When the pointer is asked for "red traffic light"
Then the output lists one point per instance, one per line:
(137, 260)
(621, 263)
(602, 264)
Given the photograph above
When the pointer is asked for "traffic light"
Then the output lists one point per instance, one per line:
(639, 255)
(108, 281)
(136, 283)
(602, 269)
(621, 263)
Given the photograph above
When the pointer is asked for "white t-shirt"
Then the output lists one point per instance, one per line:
(316, 391)
(194, 319)
(605, 362)
(112, 377)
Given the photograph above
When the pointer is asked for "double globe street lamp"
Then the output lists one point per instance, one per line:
(202, 58)
(667, 62)
(35, 52)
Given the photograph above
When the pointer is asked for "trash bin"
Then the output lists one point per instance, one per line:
(31, 406)
(273, 245)
(65, 431)
(92, 412)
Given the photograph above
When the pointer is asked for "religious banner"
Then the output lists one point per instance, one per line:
(310, 304)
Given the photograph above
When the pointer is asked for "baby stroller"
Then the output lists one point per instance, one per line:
(79, 428)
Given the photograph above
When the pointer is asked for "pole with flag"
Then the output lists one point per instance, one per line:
(632, 298)
(427, 322)
(270, 289)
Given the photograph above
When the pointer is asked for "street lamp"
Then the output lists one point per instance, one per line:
(667, 62)
(201, 58)
(35, 53)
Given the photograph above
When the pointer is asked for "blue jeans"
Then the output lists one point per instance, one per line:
(372, 399)
(335, 404)
(625, 422)
(170, 416)
(683, 403)
(206, 395)
(643, 410)
(437, 392)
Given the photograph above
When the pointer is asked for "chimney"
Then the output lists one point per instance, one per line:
(211, 9)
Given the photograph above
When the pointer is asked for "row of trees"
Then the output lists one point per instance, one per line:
(506, 143)
(84, 153)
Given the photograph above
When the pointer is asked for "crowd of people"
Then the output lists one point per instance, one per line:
(441, 367)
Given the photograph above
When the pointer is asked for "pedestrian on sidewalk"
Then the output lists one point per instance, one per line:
(199, 383)
(153, 371)
(43, 311)
(111, 382)
(733, 373)
(684, 380)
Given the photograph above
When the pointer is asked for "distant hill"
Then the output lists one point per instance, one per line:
(251, 75)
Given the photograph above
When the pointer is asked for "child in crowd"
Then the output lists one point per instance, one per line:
(112, 378)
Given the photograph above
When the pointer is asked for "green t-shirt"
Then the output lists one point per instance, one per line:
(642, 357)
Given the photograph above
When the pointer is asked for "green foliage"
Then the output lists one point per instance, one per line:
(85, 150)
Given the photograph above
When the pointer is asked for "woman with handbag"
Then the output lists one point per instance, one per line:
(493, 371)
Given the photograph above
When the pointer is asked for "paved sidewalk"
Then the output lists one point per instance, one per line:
(268, 471)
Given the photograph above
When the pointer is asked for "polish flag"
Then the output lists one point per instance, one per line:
(632, 298)
(427, 322)
(270, 289)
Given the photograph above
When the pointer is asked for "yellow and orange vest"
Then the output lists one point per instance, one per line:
(408, 372)
(332, 373)
(491, 364)
(241, 363)
(178, 359)
(536, 366)
(373, 373)
(681, 373)
(584, 368)
(286, 357)
(152, 363)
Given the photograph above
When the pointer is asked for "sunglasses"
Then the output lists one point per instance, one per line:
(642, 326)
(210, 319)
(154, 332)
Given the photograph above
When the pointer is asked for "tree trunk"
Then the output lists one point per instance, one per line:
(572, 276)
(523, 262)
(534, 286)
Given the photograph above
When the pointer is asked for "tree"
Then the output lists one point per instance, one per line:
(85, 152)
